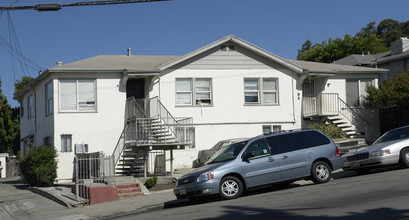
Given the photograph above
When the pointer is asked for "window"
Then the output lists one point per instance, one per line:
(266, 129)
(261, 90)
(30, 103)
(48, 141)
(21, 108)
(49, 98)
(296, 141)
(77, 95)
(194, 91)
(66, 143)
(259, 148)
(356, 90)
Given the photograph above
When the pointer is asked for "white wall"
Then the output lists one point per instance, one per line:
(229, 117)
(100, 130)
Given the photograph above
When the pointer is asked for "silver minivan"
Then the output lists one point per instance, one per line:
(274, 158)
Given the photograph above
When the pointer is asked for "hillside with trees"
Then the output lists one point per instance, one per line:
(371, 39)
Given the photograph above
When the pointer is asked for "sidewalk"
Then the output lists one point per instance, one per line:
(18, 201)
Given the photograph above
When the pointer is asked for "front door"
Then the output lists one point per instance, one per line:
(308, 88)
(136, 88)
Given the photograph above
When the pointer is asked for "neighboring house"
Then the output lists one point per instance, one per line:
(126, 105)
(3, 164)
(396, 60)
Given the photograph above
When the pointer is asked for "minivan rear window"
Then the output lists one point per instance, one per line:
(296, 141)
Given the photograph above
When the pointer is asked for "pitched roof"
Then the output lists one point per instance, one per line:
(390, 58)
(330, 68)
(361, 60)
(133, 63)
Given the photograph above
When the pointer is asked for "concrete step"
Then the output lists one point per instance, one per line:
(129, 190)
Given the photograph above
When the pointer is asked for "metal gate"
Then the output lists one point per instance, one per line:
(92, 169)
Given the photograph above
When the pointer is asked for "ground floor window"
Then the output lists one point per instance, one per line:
(66, 143)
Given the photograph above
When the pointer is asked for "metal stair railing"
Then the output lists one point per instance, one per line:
(352, 115)
(177, 126)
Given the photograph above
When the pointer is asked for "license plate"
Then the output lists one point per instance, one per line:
(353, 165)
(182, 192)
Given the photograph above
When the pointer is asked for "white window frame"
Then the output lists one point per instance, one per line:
(261, 91)
(66, 143)
(194, 93)
(30, 105)
(79, 106)
(49, 101)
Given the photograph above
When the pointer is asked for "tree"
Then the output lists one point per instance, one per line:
(392, 91)
(389, 30)
(370, 39)
(335, 49)
(21, 84)
(368, 30)
(306, 46)
(9, 126)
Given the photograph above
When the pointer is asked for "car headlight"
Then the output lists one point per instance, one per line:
(379, 153)
(205, 176)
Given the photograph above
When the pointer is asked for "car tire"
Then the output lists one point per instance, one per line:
(404, 158)
(363, 171)
(320, 172)
(230, 187)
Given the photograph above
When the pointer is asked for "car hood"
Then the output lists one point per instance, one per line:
(379, 146)
(202, 169)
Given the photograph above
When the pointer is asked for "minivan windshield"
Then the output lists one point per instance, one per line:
(395, 134)
(227, 153)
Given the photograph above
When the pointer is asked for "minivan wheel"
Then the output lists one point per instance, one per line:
(230, 187)
(320, 172)
(404, 158)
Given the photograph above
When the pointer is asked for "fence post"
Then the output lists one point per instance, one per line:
(76, 179)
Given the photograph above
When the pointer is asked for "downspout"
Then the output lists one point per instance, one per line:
(35, 115)
(292, 84)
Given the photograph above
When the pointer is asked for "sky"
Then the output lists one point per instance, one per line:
(174, 27)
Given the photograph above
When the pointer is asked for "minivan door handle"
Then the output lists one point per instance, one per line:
(270, 159)
(284, 157)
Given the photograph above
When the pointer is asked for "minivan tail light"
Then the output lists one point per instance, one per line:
(337, 153)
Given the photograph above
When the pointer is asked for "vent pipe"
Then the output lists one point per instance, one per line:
(129, 51)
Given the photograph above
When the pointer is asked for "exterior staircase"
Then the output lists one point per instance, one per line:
(144, 133)
(335, 111)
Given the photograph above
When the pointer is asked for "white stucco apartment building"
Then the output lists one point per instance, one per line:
(229, 88)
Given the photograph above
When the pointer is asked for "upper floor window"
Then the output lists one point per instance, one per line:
(261, 90)
(30, 104)
(21, 108)
(77, 95)
(49, 100)
(194, 91)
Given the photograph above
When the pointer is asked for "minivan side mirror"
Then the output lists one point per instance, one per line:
(248, 156)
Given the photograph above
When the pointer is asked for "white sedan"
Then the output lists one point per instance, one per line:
(391, 148)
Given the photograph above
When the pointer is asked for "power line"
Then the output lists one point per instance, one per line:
(56, 6)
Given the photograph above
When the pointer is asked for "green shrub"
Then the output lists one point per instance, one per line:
(151, 182)
(39, 167)
(331, 130)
